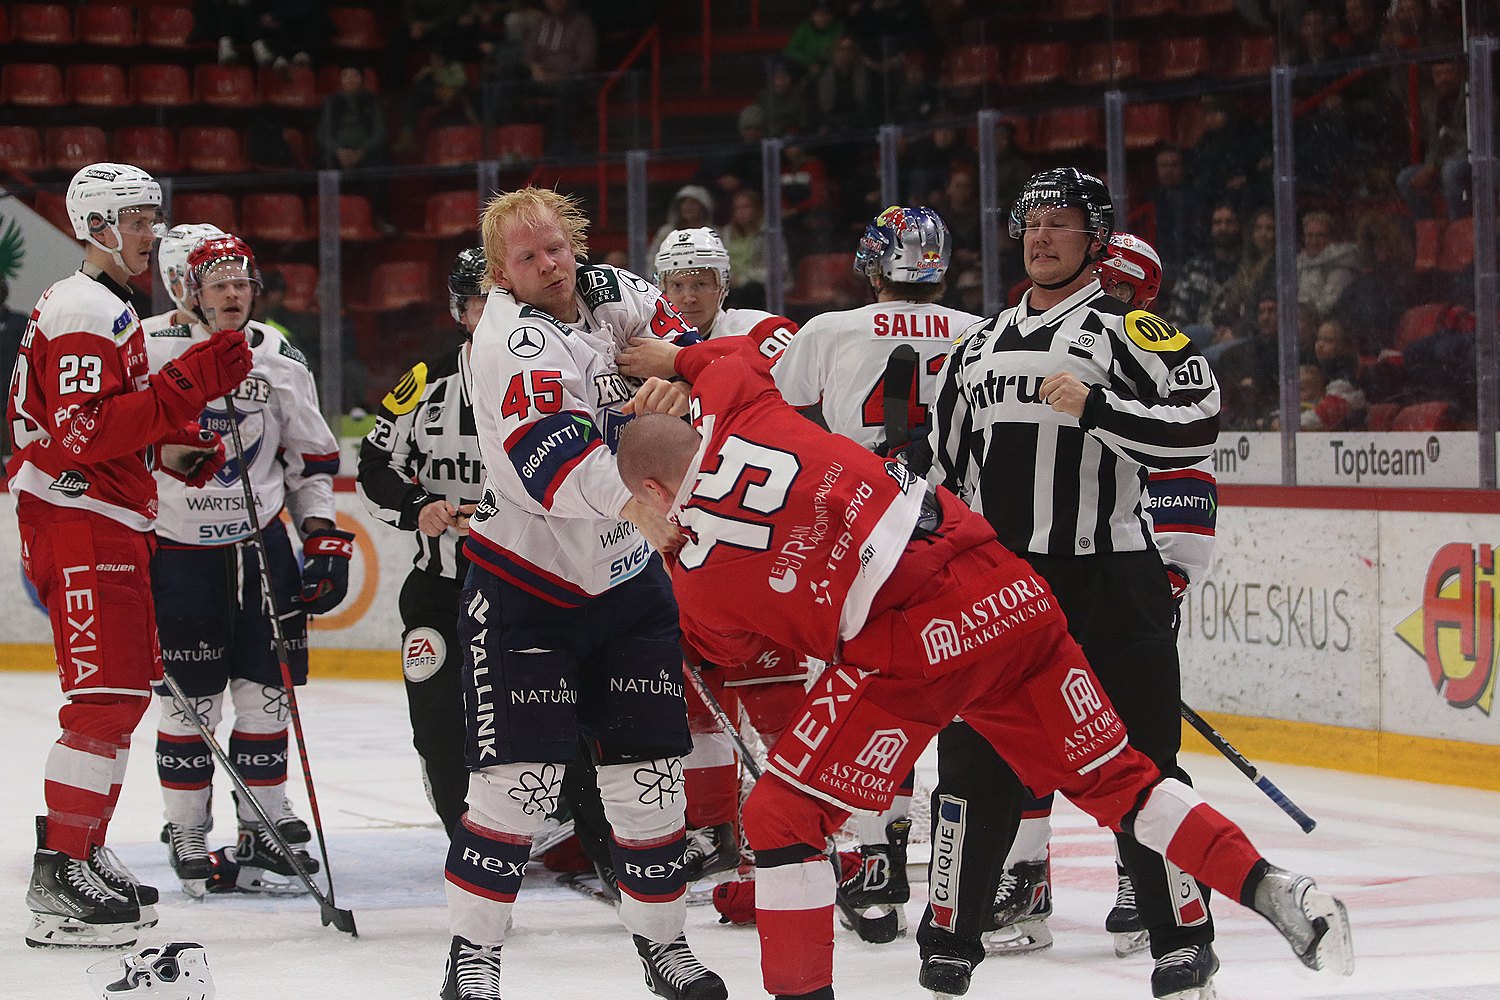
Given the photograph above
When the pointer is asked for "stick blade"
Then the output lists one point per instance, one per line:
(341, 919)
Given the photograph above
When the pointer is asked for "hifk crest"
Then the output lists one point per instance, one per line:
(252, 434)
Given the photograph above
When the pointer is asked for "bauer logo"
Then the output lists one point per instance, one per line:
(947, 854)
(422, 654)
(1455, 629)
(1080, 695)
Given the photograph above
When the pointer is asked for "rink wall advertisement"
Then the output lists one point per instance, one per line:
(1359, 638)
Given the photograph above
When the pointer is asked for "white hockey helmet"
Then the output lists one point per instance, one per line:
(98, 194)
(176, 971)
(172, 254)
(692, 249)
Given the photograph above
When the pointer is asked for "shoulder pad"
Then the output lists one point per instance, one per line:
(176, 330)
(1150, 332)
(408, 392)
(286, 350)
(598, 285)
(1107, 303)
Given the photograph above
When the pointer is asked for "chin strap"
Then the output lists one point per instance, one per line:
(1089, 260)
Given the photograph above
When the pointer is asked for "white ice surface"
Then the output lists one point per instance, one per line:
(1418, 866)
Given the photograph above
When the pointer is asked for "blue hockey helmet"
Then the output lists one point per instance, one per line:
(910, 245)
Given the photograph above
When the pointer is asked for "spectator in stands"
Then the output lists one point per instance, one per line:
(748, 244)
(888, 30)
(503, 30)
(805, 199)
(1409, 24)
(1199, 290)
(1324, 267)
(960, 208)
(1385, 281)
(1170, 218)
(690, 208)
(1360, 33)
(278, 33)
(1312, 385)
(917, 98)
(351, 131)
(1231, 160)
(439, 23)
(564, 48)
(1248, 370)
(739, 167)
(301, 329)
(929, 161)
(784, 100)
(439, 96)
(812, 41)
(1336, 353)
(1445, 133)
(12, 328)
(967, 293)
(846, 94)
(1257, 270)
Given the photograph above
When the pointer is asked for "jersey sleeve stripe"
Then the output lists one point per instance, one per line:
(1206, 477)
(525, 575)
(545, 451)
(320, 465)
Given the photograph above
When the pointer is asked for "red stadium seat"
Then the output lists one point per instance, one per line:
(355, 28)
(297, 89)
(1178, 59)
(41, 24)
(1066, 129)
(1189, 123)
(4, 24)
(1429, 240)
(164, 86)
(1418, 322)
(1040, 62)
(819, 277)
(153, 148)
(517, 142)
(97, 85)
(1146, 125)
(1101, 62)
(21, 149)
(225, 86)
(357, 219)
(301, 286)
(971, 66)
(1252, 55)
(1207, 8)
(1148, 8)
(454, 144)
(1458, 246)
(212, 149)
(53, 206)
(107, 24)
(217, 209)
(73, 147)
(328, 80)
(38, 85)
(281, 218)
(1380, 416)
(398, 284)
(1423, 417)
(166, 27)
(1077, 10)
(450, 214)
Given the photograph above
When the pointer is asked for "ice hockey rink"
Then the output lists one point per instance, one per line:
(1417, 864)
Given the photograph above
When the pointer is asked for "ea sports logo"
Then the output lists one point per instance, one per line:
(422, 654)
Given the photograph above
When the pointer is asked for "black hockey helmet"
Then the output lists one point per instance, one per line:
(1066, 187)
(465, 280)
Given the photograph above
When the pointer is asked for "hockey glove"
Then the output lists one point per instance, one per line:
(192, 454)
(735, 901)
(325, 569)
(206, 371)
(1179, 581)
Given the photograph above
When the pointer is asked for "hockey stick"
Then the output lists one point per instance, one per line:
(900, 368)
(1248, 769)
(701, 687)
(341, 919)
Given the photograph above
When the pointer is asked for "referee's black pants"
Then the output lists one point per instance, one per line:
(1120, 609)
(434, 695)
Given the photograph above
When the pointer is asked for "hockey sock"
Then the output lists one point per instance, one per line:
(80, 770)
(261, 760)
(482, 877)
(646, 844)
(1035, 832)
(794, 893)
(184, 764)
(871, 829)
(711, 779)
(122, 759)
(1176, 823)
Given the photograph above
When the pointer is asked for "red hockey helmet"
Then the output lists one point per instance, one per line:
(221, 258)
(1130, 264)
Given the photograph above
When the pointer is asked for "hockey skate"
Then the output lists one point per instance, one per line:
(1185, 974)
(674, 972)
(1314, 922)
(1124, 921)
(187, 852)
(473, 972)
(946, 976)
(71, 908)
(264, 867)
(710, 850)
(109, 870)
(870, 898)
(1023, 902)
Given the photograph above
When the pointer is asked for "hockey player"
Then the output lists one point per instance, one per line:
(692, 269)
(86, 417)
(171, 264)
(567, 626)
(213, 618)
(927, 617)
(419, 469)
(1048, 419)
(1183, 505)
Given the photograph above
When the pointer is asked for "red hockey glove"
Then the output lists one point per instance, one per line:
(735, 902)
(325, 569)
(192, 454)
(205, 371)
(1179, 581)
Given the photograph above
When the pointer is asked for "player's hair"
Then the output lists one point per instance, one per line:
(915, 291)
(531, 206)
(655, 446)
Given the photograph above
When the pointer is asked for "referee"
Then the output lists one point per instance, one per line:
(1048, 420)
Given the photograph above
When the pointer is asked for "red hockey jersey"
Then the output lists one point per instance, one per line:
(801, 527)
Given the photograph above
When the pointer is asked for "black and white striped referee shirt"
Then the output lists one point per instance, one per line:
(424, 447)
(1050, 483)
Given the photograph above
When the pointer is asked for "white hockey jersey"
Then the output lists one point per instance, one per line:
(546, 404)
(291, 453)
(770, 332)
(839, 358)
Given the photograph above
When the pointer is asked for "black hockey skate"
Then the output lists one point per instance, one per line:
(1023, 902)
(674, 972)
(187, 852)
(870, 900)
(264, 867)
(71, 908)
(710, 850)
(1185, 974)
(945, 975)
(108, 869)
(1313, 922)
(1124, 921)
(473, 972)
